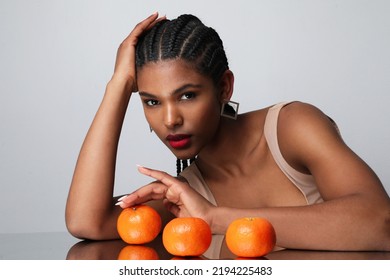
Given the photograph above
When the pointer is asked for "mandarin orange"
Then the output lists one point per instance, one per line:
(188, 236)
(137, 252)
(250, 237)
(138, 224)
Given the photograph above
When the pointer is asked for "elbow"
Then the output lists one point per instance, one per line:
(91, 226)
(381, 238)
(77, 228)
(373, 229)
(386, 226)
(83, 228)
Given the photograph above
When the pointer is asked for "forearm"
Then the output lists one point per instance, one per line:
(349, 223)
(95, 169)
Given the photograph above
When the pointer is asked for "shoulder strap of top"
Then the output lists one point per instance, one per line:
(304, 182)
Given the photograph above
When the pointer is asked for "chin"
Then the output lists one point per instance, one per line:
(184, 157)
(184, 154)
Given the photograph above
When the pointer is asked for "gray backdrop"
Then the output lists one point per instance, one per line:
(57, 56)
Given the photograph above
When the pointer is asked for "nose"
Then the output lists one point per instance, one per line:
(172, 116)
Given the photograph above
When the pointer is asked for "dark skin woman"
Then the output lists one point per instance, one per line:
(286, 163)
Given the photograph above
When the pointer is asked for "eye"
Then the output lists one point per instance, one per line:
(188, 95)
(151, 102)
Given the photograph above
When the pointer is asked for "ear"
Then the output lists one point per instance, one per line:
(226, 86)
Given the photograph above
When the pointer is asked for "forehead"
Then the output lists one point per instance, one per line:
(168, 75)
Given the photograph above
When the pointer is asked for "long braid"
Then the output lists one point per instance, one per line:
(182, 164)
(178, 166)
(185, 163)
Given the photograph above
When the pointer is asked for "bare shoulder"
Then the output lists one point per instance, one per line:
(303, 112)
(302, 119)
(305, 132)
(310, 142)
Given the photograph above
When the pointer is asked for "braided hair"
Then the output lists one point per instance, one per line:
(185, 38)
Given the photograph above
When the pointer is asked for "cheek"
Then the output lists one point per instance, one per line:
(206, 119)
(155, 122)
(211, 115)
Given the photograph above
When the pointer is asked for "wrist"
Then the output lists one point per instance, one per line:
(122, 84)
(219, 220)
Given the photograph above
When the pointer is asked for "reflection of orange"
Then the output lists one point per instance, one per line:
(254, 258)
(250, 237)
(137, 252)
(177, 258)
(187, 236)
(138, 224)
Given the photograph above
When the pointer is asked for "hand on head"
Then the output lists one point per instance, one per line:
(125, 59)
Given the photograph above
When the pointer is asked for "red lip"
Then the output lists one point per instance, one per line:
(179, 141)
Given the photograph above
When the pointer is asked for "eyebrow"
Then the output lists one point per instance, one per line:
(176, 91)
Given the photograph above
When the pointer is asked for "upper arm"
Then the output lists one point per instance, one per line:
(310, 142)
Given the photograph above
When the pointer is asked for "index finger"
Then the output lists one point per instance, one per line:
(152, 191)
(161, 176)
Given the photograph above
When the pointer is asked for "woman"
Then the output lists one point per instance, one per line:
(286, 163)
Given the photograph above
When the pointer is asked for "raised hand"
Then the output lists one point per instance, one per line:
(125, 59)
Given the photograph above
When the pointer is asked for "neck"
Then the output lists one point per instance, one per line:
(227, 148)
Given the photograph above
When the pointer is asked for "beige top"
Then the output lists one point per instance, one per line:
(304, 183)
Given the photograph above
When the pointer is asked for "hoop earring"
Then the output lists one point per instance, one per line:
(151, 129)
(230, 109)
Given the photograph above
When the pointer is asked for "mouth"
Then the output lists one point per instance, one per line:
(179, 141)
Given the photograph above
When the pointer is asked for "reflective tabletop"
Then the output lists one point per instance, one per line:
(61, 246)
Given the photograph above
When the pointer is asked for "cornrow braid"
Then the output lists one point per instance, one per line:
(179, 33)
(178, 167)
(154, 42)
(184, 38)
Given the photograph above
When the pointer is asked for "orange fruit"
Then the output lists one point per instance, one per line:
(250, 237)
(137, 252)
(188, 236)
(138, 224)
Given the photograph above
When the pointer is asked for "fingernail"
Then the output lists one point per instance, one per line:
(141, 166)
(121, 198)
(119, 203)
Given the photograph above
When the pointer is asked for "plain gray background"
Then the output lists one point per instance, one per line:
(57, 56)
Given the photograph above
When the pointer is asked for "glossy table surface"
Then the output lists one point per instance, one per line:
(61, 245)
